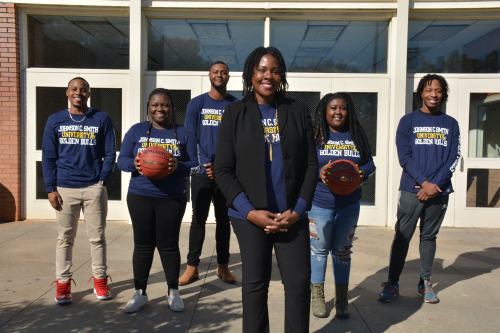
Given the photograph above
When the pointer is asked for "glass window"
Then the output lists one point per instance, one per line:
(483, 188)
(109, 100)
(484, 132)
(49, 100)
(459, 46)
(192, 45)
(332, 46)
(78, 42)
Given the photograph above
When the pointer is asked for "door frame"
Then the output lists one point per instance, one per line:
(40, 77)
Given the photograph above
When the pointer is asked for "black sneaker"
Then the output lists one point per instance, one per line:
(389, 292)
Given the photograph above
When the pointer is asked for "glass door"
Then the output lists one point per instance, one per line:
(478, 186)
(45, 95)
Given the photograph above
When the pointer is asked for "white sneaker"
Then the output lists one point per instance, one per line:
(175, 301)
(137, 301)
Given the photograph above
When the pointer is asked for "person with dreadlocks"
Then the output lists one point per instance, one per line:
(156, 206)
(428, 143)
(338, 136)
(266, 166)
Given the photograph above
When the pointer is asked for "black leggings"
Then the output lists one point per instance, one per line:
(156, 223)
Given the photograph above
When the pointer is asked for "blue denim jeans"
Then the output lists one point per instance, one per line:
(334, 233)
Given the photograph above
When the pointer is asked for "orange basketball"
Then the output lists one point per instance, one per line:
(154, 162)
(344, 177)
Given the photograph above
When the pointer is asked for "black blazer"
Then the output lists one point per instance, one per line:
(239, 158)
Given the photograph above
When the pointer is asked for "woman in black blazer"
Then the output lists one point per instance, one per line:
(267, 168)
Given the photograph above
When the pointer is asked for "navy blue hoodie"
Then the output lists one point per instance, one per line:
(428, 149)
(186, 152)
(73, 149)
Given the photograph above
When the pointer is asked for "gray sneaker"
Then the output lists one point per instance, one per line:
(137, 302)
(318, 300)
(425, 290)
(175, 301)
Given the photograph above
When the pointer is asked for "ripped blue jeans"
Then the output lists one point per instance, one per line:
(334, 234)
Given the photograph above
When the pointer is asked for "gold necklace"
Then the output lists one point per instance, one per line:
(78, 121)
(266, 135)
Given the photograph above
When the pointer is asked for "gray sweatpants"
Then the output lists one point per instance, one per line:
(431, 214)
(93, 200)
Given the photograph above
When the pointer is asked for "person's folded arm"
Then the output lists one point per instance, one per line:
(312, 170)
(225, 159)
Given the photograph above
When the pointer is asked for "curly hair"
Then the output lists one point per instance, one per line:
(321, 127)
(252, 62)
(165, 92)
(428, 80)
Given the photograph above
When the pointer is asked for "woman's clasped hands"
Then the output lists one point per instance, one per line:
(271, 222)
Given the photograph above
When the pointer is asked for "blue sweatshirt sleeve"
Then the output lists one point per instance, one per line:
(368, 168)
(446, 172)
(300, 206)
(50, 152)
(403, 144)
(109, 150)
(126, 158)
(190, 164)
(242, 204)
(191, 122)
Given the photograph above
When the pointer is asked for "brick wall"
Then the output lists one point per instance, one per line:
(10, 115)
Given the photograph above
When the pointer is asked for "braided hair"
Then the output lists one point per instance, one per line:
(252, 62)
(428, 80)
(165, 92)
(321, 127)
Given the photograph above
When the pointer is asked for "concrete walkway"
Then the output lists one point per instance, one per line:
(466, 277)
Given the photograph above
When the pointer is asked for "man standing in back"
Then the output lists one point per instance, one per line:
(203, 117)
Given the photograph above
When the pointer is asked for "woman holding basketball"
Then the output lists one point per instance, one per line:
(338, 136)
(266, 167)
(156, 206)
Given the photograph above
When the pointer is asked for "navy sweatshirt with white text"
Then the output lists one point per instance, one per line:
(73, 149)
(340, 146)
(428, 149)
(170, 186)
(203, 116)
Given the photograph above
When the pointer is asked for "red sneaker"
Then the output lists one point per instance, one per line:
(63, 291)
(101, 287)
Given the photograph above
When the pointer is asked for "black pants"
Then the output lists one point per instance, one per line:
(294, 261)
(203, 190)
(431, 214)
(156, 223)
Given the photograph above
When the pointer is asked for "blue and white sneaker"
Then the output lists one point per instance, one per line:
(389, 292)
(425, 290)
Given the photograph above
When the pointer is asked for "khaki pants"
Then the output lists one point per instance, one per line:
(93, 201)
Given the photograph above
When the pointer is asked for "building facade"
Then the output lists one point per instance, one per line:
(377, 50)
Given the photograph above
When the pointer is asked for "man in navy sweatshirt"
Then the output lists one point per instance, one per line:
(428, 143)
(78, 157)
(203, 117)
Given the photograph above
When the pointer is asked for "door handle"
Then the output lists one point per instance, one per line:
(461, 164)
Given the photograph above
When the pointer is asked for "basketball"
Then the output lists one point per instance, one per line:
(154, 162)
(344, 177)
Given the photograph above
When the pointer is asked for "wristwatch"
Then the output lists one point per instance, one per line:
(102, 182)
